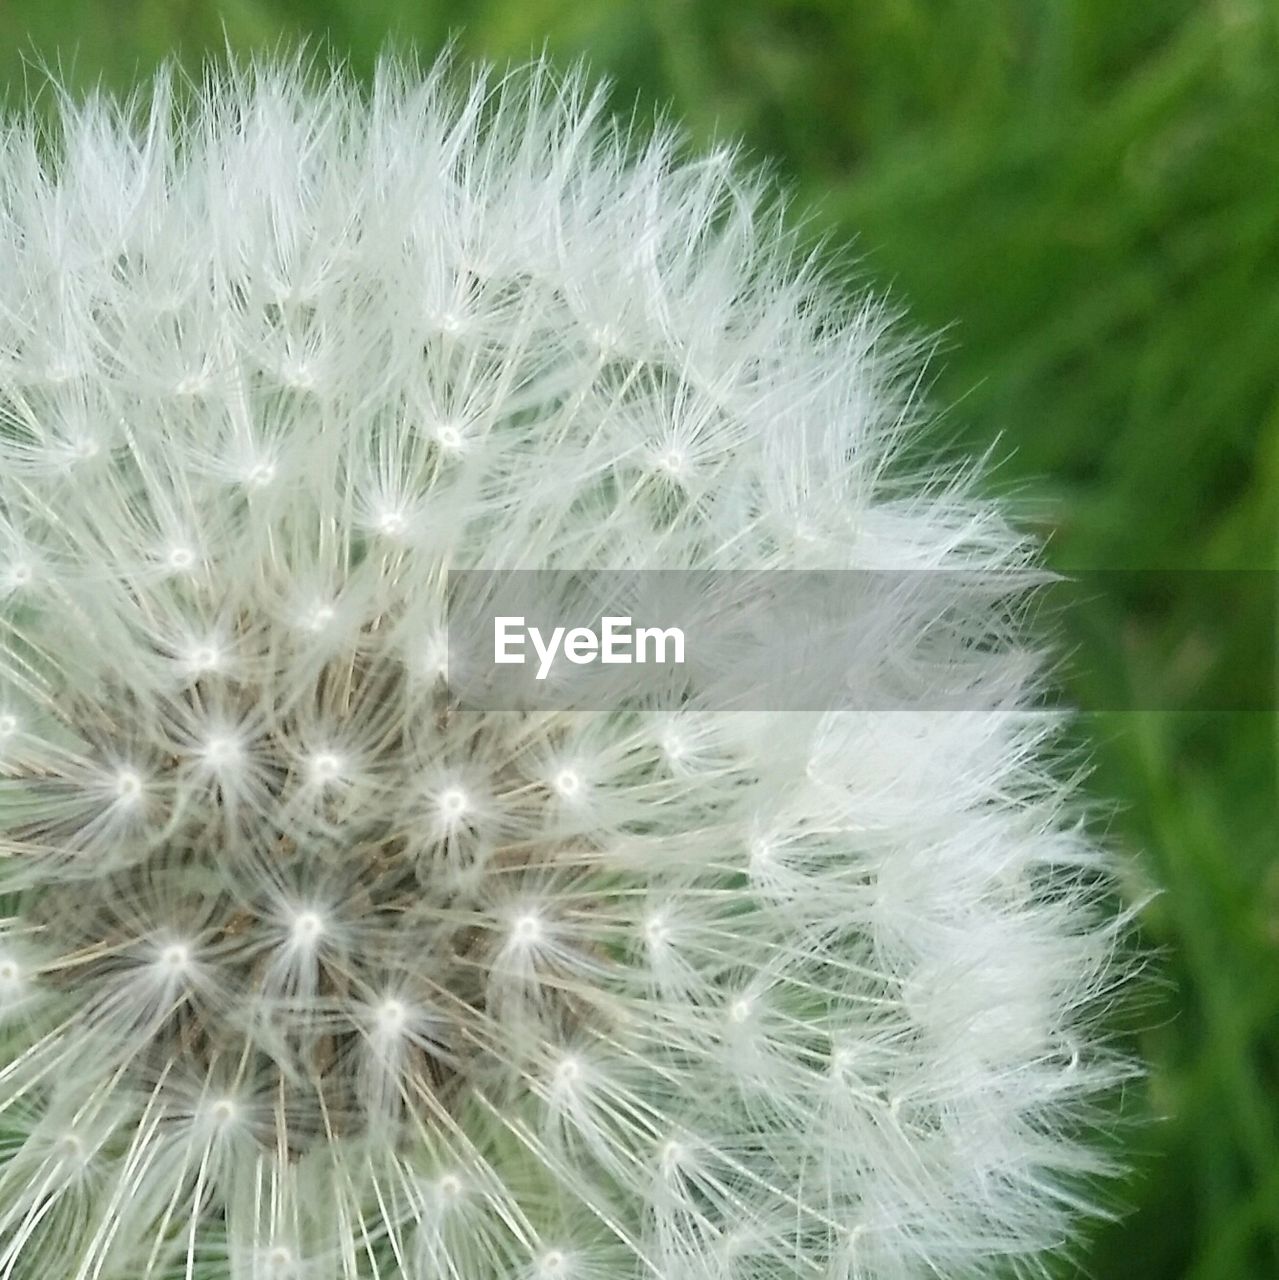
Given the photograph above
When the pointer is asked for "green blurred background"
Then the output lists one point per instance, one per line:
(1083, 197)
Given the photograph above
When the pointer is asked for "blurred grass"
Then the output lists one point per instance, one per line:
(1085, 196)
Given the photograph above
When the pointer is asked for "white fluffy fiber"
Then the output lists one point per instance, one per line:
(304, 975)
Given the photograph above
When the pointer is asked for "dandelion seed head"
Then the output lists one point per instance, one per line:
(307, 970)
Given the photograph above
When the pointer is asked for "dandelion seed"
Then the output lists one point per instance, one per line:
(222, 751)
(391, 524)
(449, 437)
(527, 928)
(260, 474)
(179, 558)
(325, 767)
(568, 784)
(319, 617)
(128, 787)
(224, 1111)
(307, 928)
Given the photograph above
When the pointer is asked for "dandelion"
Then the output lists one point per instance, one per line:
(305, 973)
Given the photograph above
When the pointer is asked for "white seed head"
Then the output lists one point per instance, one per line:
(308, 970)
